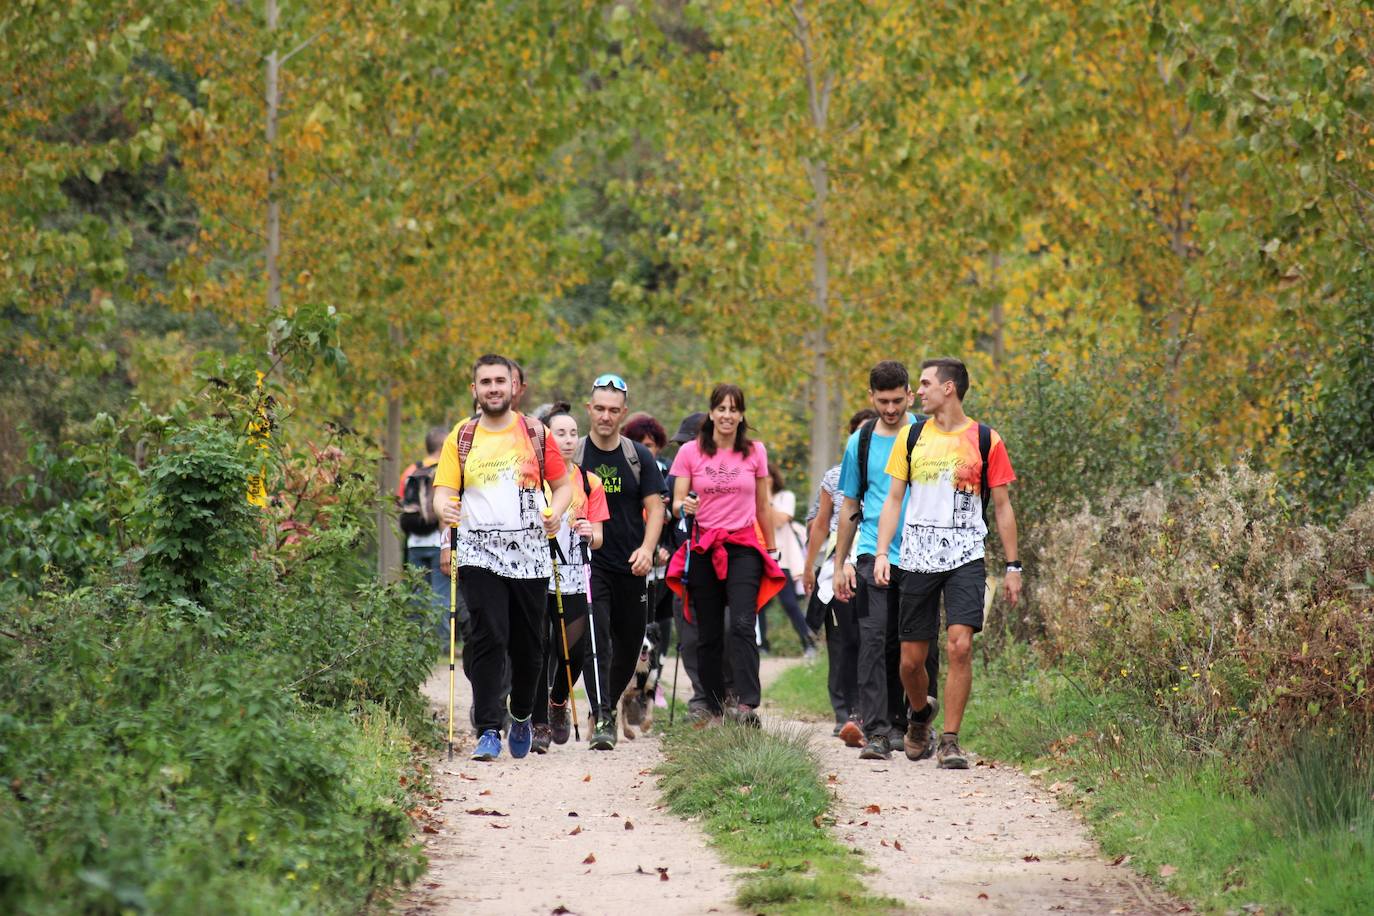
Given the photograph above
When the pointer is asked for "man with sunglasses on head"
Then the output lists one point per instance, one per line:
(634, 494)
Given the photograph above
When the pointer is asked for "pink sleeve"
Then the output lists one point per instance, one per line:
(760, 460)
(684, 461)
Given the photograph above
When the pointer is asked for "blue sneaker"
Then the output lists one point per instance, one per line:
(519, 737)
(489, 745)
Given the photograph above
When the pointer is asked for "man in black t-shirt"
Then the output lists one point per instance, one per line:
(634, 494)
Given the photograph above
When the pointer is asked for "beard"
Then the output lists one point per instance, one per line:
(497, 409)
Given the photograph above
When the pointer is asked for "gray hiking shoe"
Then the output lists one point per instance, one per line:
(560, 723)
(879, 747)
(603, 736)
(949, 755)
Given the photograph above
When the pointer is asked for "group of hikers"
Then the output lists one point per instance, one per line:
(567, 556)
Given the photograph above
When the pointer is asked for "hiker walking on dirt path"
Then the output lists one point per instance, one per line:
(634, 496)
(685, 645)
(824, 607)
(490, 484)
(864, 482)
(945, 469)
(423, 533)
(791, 543)
(646, 688)
(583, 520)
(733, 561)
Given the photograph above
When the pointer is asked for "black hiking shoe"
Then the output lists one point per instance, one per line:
(603, 737)
(950, 756)
(879, 747)
(745, 715)
(560, 722)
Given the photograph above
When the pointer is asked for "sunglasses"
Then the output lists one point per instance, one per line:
(611, 380)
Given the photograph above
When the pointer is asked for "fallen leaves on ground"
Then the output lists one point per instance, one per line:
(628, 825)
(590, 860)
(1030, 858)
(873, 809)
(487, 812)
(575, 831)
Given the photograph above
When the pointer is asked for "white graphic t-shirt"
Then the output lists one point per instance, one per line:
(501, 528)
(944, 528)
(572, 569)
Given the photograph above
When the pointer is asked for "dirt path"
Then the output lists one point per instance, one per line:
(578, 831)
(983, 840)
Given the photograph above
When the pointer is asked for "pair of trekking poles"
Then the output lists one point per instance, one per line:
(555, 551)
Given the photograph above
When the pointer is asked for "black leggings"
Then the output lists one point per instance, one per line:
(553, 678)
(708, 599)
(618, 608)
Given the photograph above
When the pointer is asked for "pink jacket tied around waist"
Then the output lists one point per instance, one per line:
(712, 544)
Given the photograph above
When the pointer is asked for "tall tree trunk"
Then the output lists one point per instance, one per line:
(389, 471)
(273, 99)
(818, 89)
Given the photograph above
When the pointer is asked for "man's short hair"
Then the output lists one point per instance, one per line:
(492, 359)
(434, 439)
(949, 369)
(887, 375)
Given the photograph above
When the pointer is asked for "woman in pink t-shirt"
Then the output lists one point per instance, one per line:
(730, 564)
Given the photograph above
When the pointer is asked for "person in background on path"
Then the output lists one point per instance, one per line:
(519, 385)
(841, 627)
(423, 535)
(951, 465)
(634, 495)
(586, 513)
(643, 428)
(490, 484)
(864, 482)
(728, 472)
(697, 706)
(791, 557)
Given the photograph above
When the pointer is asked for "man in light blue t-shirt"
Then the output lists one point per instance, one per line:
(882, 702)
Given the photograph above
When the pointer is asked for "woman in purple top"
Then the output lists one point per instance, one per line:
(732, 563)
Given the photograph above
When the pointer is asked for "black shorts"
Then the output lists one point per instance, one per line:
(962, 587)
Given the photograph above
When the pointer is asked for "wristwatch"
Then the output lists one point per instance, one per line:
(1014, 566)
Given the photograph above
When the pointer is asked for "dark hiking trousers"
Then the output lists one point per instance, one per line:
(842, 648)
(553, 676)
(709, 597)
(882, 699)
(506, 625)
(619, 613)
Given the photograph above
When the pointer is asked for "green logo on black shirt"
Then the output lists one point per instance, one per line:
(610, 477)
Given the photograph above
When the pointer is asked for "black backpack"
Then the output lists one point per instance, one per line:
(913, 433)
(417, 501)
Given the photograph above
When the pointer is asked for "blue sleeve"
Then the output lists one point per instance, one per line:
(849, 467)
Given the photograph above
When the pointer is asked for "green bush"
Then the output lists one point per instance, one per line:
(1222, 608)
(207, 721)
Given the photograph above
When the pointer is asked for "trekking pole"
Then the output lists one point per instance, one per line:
(452, 624)
(600, 701)
(563, 627)
(686, 568)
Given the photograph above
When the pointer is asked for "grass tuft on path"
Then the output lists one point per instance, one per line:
(762, 800)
